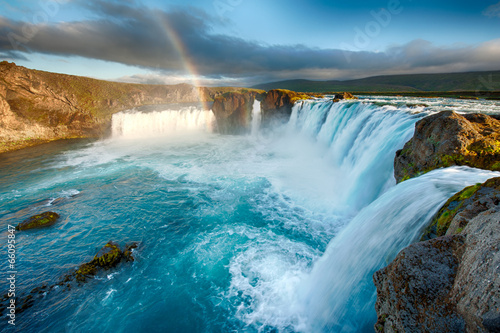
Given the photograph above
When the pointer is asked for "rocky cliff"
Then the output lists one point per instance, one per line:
(278, 103)
(447, 139)
(37, 106)
(233, 110)
(450, 283)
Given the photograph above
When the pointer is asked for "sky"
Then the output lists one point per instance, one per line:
(246, 42)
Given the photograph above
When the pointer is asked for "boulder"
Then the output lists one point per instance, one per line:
(450, 283)
(447, 139)
(38, 221)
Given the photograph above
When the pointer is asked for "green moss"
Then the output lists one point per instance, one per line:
(444, 220)
(449, 160)
(469, 191)
(38, 221)
(496, 166)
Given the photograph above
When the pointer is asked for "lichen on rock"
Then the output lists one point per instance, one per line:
(448, 138)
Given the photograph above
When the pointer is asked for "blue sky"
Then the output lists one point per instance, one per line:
(244, 42)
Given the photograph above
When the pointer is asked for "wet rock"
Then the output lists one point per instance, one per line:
(108, 257)
(38, 221)
(450, 283)
(447, 139)
(455, 214)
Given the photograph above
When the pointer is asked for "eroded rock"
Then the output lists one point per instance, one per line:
(447, 139)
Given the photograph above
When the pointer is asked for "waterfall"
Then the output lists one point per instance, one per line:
(359, 141)
(256, 118)
(133, 123)
(339, 295)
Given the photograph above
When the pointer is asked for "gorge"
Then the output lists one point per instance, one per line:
(280, 228)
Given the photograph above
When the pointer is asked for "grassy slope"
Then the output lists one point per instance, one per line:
(473, 81)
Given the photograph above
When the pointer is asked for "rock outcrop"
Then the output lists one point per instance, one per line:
(450, 283)
(38, 221)
(447, 139)
(277, 104)
(342, 96)
(233, 111)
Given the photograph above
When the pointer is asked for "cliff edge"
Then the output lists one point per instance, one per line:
(37, 106)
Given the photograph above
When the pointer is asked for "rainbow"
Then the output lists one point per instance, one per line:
(188, 65)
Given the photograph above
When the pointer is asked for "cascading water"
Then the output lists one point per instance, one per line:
(279, 233)
(359, 141)
(256, 118)
(339, 295)
(134, 123)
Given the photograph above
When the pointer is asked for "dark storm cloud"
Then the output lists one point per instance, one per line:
(131, 34)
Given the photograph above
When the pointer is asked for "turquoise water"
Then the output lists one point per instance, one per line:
(260, 233)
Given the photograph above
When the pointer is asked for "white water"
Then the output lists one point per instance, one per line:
(331, 159)
(134, 124)
(359, 141)
(256, 118)
(339, 295)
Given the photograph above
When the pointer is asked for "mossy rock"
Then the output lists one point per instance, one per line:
(441, 222)
(107, 258)
(38, 221)
(450, 139)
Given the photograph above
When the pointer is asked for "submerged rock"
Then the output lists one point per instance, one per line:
(450, 283)
(108, 257)
(447, 139)
(38, 221)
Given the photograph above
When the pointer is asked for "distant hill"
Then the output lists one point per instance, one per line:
(472, 81)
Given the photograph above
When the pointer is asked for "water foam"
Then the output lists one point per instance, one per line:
(134, 124)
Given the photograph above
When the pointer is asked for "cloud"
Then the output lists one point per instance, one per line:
(492, 11)
(168, 41)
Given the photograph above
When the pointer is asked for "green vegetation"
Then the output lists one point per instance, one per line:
(457, 85)
(441, 223)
